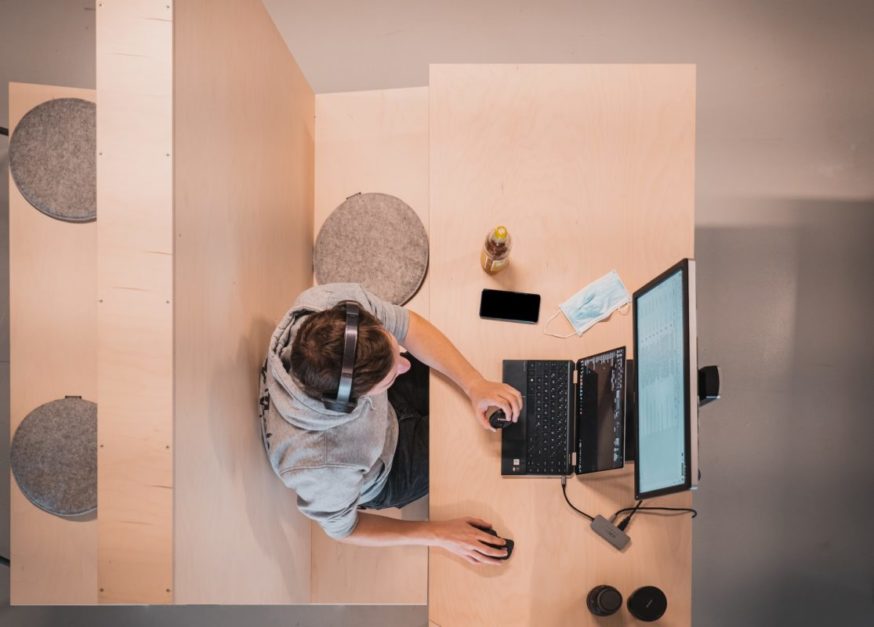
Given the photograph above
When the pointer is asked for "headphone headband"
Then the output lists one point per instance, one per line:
(343, 402)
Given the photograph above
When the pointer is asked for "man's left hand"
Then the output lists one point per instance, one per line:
(484, 394)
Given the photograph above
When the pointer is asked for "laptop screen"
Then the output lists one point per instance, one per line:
(601, 412)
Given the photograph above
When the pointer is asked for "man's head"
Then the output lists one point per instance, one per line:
(317, 355)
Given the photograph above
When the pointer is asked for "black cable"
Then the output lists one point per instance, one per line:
(4, 560)
(4, 131)
(664, 511)
(677, 510)
(634, 510)
(564, 491)
(622, 525)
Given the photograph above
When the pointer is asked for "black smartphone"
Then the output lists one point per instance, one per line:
(510, 306)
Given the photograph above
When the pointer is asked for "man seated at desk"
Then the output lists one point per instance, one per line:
(376, 456)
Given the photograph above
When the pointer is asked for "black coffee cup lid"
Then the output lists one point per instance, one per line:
(610, 600)
(647, 603)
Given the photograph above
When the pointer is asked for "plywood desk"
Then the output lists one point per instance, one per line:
(591, 168)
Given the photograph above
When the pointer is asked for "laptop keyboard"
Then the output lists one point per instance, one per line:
(547, 418)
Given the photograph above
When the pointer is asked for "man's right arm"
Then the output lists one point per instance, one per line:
(458, 536)
(335, 510)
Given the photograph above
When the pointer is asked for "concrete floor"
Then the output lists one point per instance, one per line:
(785, 217)
(784, 532)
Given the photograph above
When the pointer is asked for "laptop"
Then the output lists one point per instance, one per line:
(572, 419)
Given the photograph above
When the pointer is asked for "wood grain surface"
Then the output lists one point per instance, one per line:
(591, 168)
(372, 141)
(53, 353)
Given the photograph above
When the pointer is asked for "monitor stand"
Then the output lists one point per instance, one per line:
(708, 385)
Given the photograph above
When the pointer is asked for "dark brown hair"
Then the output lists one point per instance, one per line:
(317, 353)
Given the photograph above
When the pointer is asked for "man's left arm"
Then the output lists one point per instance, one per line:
(431, 347)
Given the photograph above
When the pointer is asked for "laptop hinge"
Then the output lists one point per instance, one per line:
(572, 426)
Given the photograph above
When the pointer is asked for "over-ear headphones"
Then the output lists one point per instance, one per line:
(343, 402)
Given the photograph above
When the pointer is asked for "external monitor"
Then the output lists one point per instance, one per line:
(666, 383)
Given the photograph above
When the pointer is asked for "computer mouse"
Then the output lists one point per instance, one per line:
(509, 546)
(498, 420)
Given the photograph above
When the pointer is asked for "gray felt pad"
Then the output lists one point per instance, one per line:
(54, 456)
(376, 240)
(52, 155)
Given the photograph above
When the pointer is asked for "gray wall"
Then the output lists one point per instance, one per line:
(785, 220)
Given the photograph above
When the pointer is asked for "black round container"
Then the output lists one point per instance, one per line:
(647, 603)
(604, 600)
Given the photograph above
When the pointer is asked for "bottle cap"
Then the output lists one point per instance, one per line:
(500, 233)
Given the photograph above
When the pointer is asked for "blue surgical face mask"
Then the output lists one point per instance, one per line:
(593, 303)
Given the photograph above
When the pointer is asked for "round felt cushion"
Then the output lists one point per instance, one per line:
(52, 154)
(54, 457)
(376, 240)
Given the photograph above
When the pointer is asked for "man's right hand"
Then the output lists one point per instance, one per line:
(460, 537)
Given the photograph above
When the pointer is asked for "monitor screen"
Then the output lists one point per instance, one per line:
(663, 365)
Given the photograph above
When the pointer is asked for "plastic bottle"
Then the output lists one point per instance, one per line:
(496, 251)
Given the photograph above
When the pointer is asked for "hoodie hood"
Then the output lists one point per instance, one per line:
(290, 401)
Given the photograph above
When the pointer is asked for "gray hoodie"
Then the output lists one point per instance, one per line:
(334, 461)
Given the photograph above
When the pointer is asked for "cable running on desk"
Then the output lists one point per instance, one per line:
(665, 511)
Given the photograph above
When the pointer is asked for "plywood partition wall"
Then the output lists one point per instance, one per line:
(372, 141)
(135, 300)
(591, 168)
(244, 117)
(53, 353)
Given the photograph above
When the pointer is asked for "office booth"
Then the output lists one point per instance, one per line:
(209, 198)
(216, 166)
